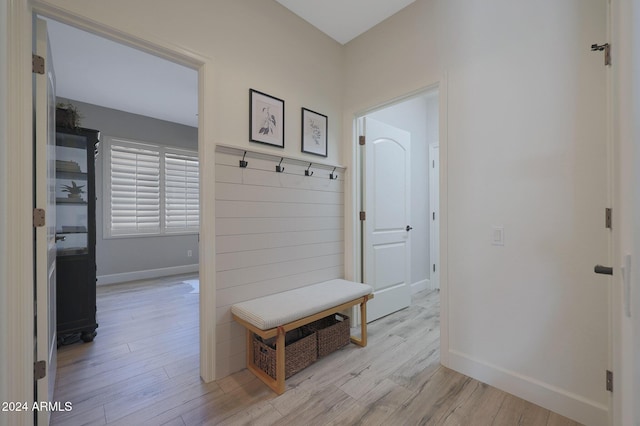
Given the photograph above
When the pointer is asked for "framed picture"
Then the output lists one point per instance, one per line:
(314, 132)
(266, 119)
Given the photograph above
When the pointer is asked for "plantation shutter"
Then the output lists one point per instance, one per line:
(135, 188)
(181, 201)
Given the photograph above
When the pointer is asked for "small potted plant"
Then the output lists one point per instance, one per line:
(67, 115)
(73, 190)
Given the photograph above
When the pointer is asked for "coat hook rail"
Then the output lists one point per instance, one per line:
(279, 168)
(306, 172)
(262, 155)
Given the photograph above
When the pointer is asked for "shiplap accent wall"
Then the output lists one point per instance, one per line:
(274, 232)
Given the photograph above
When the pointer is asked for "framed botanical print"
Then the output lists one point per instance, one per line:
(314, 132)
(266, 119)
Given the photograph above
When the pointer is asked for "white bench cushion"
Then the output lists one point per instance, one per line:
(282, 308)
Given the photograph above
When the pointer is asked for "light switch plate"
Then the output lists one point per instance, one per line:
(497, 235)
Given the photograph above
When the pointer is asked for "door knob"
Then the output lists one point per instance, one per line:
(606, 270)
(409, 228)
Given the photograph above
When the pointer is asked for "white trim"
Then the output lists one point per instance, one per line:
(555, 399)
(207, 260)
(443, 130)
(419, 286)
(147, 274)
(16, 206)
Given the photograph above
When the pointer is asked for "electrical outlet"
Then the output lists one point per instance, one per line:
(189, 253)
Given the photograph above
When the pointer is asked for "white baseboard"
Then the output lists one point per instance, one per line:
(558, 400)
(146, 274)
(419, 286)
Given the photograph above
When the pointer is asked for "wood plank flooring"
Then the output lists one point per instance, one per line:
(143, 369)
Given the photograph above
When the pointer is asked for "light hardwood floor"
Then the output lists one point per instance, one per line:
(142, 369)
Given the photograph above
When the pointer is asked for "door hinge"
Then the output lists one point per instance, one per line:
(433, 215)
(434, 267)
(39, 370)
(607, 218)
(363, 216)
(37, 64)
(38, 218)
(609, 381)
(361, 140)
(607, 51)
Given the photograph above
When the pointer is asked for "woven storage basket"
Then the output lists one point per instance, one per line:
(300, 351)
(333, 333)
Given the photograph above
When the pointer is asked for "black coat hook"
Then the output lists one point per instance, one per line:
(306, 172)
(243, 163)
(333, 175)
(279, 168)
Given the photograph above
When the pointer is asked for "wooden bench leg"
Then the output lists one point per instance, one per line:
(250, 362)
(280, 364)
(278, 385)
(362, 341)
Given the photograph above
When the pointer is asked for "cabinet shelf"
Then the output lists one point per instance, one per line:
(63, 174)
(71, 251)
(80, 202)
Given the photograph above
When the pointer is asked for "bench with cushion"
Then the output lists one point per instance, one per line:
(274, 315)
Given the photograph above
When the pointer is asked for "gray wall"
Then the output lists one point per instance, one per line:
(133, 255)
(418, 116)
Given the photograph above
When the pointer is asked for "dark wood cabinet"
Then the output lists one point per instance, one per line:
(76, 234)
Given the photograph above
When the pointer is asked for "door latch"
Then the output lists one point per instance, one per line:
(606, 270)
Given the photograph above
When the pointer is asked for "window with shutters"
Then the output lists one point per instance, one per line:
(149, 189)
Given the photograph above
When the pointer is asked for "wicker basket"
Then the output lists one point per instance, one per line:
(333, 333)
(300, 351)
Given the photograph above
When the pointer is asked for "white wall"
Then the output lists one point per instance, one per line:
(481, 43)
(392, 60)
(242, 44)
(419, 116)
(123, 259)
(522, 148)
(251, 44)
(274, 232)
(527, 149)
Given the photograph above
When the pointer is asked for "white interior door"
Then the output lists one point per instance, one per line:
(434, 211)
(45, 244)
(386, 233)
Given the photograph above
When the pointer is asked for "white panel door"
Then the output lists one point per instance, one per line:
(386, 235)
(45, 244)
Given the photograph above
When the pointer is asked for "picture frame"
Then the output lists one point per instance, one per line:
(266, 119)
(314, 132)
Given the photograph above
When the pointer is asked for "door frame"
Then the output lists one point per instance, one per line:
(203, 66)
(17, 267)
(353, 204)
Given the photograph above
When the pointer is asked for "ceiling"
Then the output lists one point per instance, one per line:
(344, 20)
(98, 71)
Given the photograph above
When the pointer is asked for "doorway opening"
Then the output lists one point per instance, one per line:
(167, 259)
(417, 241)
